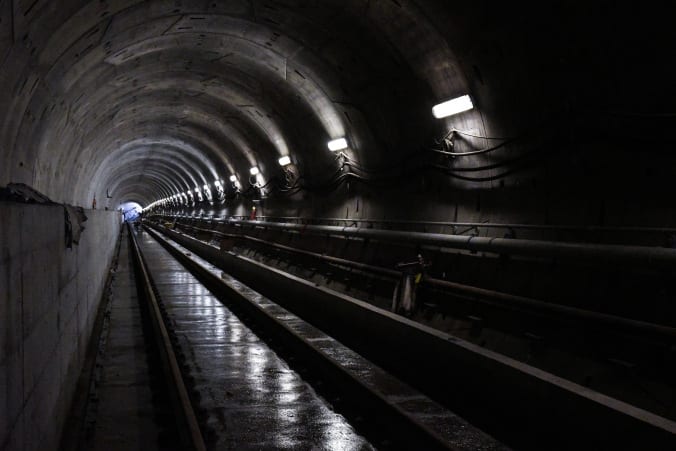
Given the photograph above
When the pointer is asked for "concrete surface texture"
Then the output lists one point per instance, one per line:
(48, 301)
(155, 100)
(133, 410)
(148, 99)
(248, 396)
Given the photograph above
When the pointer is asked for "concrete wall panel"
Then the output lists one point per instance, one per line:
(49, 296)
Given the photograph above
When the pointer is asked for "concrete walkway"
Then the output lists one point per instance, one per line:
(131, 413)
(248, 396)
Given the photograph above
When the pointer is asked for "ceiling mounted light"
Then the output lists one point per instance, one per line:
(217, 183)
(285, 160)
(206, 187)
(233, 178)
(254, 171)
(453, 106)
(337, 144)
(197, 190)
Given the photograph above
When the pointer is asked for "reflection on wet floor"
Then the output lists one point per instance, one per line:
(250, 397)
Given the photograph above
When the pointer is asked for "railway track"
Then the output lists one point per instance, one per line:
(627, 359)
(248, 374)
(518, 404)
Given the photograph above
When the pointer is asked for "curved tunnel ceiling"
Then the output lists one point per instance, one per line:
(147, 99)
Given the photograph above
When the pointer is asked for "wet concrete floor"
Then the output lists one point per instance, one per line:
(448, 428)
(247, 396)
(129, 411)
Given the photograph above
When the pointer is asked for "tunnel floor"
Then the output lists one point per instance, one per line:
(248, 396)
(131, 411)
(249, 386)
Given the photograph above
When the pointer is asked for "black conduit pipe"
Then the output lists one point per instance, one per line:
(634, 327)
(640, 256)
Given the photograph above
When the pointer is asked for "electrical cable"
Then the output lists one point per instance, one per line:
(350, 169)
(462, 132)
(542, 125)
(481, 151)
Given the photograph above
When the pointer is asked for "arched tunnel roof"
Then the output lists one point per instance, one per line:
(147, 99)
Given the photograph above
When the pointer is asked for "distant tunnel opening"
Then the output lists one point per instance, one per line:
(130, 210)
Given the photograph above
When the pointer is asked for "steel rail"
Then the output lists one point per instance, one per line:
(641, 256)
(507, 301)
(469, 224)
(302, 342)
(491, 384)
(190, 431)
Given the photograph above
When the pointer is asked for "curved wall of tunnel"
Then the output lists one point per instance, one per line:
(144, 102)
(164, 97)
(228, 85)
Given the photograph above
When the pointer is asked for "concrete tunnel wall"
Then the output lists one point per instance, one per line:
(49, 296)
(146, 99)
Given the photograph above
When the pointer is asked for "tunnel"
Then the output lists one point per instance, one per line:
(437, 225)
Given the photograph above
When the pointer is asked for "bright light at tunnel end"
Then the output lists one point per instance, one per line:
(453, 106)
(337, 144)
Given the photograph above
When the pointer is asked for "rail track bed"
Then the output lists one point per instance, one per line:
(245, 373)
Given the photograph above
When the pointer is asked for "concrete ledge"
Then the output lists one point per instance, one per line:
(420, 421)
(48, 299)
(517, 403)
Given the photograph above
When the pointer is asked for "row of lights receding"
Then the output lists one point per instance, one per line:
(440, 111)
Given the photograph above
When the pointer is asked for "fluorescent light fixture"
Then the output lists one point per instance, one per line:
(254, 170)
(453, 106)
(233, 178)
(337, 144)
(285, 160)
